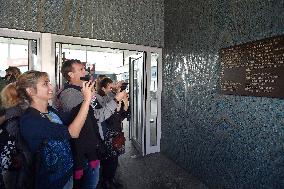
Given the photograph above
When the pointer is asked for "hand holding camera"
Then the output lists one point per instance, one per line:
(123, 86)
(85, 78)
(125, 100)
(88, 90)
(119, 96)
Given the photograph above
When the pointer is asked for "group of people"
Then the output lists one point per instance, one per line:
(75, 144)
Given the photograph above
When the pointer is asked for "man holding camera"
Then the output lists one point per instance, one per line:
(70, 97)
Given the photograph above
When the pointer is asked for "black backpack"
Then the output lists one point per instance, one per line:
(16, 156)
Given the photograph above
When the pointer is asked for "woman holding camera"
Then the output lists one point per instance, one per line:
(113, 135)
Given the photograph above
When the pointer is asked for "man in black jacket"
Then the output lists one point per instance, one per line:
(86, 146)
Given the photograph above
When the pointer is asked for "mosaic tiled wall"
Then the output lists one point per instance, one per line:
(130, 21)
(232, 142)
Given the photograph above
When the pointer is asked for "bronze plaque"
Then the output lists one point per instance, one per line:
(254, 68)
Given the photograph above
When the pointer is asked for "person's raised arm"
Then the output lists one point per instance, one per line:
(126, 102)
(77, 124)
(106, 111)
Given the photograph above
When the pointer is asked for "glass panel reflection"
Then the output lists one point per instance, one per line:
(138, 98)
(153, 99)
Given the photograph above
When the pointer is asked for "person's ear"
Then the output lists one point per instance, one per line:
(30, 91)
(103, 89)
(71, 74)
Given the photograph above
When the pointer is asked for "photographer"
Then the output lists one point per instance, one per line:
(113, 135)
(86, 148)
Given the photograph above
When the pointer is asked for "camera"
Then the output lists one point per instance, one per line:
(85, 78)
(123, 86)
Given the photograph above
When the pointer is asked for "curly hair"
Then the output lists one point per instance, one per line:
(10, 96)
(14, 71)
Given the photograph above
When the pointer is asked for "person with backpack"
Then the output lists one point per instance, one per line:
(46, 134)
(87, 164)
(15, 157)
(113, 136)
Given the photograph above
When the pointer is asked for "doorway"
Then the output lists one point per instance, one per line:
(140, 70)
(137, 65)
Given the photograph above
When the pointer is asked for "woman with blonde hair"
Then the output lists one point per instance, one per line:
(12, 149)
(9, 96)
(46, 134)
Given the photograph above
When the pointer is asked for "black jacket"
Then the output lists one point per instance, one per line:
(88, 145)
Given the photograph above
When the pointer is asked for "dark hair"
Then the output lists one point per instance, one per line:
(67, 67)
(98, 81)
(103, 84)
(10, 78)
(14, 71)
(28, 79)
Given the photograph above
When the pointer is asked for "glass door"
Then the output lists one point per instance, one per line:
(153, 103)
(145, 98)
(137, 100)
(137, 65)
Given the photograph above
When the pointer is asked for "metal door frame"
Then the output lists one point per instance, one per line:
(27, 35)
(140, 145)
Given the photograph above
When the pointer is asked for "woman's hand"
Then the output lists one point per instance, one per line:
(119, 96)
(118, 106)
(125, 102)
(116, 86)
(125, 99)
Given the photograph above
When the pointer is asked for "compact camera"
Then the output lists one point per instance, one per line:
(85, 78)
(123, 86)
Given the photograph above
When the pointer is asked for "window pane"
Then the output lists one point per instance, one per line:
(14, 52)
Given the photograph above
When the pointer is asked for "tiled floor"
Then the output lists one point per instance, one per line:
(154, 171)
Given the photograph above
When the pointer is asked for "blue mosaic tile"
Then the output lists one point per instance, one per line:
(53, 14)
(135, 22)
(227, 141)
